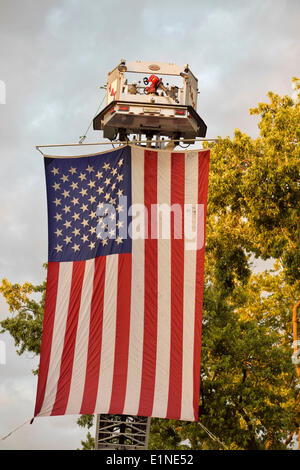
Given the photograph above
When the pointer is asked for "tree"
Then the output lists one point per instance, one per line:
(249, 397)
(248, 382)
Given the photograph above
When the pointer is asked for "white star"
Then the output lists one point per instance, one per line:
(92, 245)
(66, 209)
(56, 186)
(55, 171)
(91, 184)
(92, 215)
(120, 178)
(104, 242)
(120, 163)
(112, 216)
(74, 186)
(76, 232)
(100, 205)
(75, 216)
(85, 238)
(92, 230)
(85, 222)
(67, 240)
(75, 247)
(82, 176)
(120, 192)
(57, 202)
(67, 224)
(112, 201)
(113, 186)
(107, 196)
(114, 171)
(90, 169)
(72, 170)
(99, 175)
(75, 200)
(112, 233)
(120, 224)
(84, 207)
(66, 194)
(106, 166)
(57, 217)
(83, 192)
(119, 240)
(58, 248)
(99, 190)
(119, 208)
(64, 178)
(107, 181)
(58, 232)
(92, 199)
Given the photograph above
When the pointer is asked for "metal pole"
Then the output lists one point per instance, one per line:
(124, 142)
(122, 432)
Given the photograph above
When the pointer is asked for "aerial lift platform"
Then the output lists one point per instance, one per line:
(141, 102)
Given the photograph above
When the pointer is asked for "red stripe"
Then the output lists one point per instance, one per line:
(65, 376)
(122, 334)
(203, 167)
(49, 315)
(150, 305)
(95, 339)
(177, 284)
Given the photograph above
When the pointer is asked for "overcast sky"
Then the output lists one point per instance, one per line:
(54, 55)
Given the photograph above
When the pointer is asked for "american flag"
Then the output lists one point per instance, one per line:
(123, 309)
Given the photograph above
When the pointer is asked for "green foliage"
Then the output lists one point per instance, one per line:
(164, 434)
(249, 397)
(26, 303)
(89, 443)
(86, 421)
(254, 184)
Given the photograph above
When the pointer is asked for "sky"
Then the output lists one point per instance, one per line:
(54, 56)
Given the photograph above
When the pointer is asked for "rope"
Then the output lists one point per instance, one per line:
(83, 137)
(14, 430)
(212, 436)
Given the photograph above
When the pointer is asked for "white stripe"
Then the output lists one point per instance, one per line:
(108, 335)
(135, 353)
(191, 197)
(162, 374)
(59, 328)
(82, 341)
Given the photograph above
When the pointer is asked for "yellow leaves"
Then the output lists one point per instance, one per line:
(16, 295)
(234, 446)
(269, 296)
(242, 423)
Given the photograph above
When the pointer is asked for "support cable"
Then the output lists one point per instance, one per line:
(14, 430)
(83, 137)
(212, 436)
